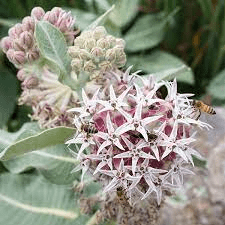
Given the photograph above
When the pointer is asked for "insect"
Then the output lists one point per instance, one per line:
(85, 126)
(88, 128)
(151, 136)
(202, 107)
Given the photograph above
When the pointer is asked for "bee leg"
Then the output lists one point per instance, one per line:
(199, 114)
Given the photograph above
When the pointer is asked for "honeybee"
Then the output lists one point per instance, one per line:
(88, 128)
(202, 107)
(151, 136)
(85, 127)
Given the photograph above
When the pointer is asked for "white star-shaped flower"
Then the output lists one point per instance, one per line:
(112, 136)
(119, 177)
(89, 105)
(115, 103)
(134, 152)
(137, 123)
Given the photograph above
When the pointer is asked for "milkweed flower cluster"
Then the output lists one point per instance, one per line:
(135, 139)
(20, 46)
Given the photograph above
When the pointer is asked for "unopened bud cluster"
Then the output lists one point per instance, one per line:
(20, 46)
(96, 53)
(136, 140)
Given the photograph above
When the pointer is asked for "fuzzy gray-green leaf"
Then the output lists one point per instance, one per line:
(29, 199)
(163, 65)
(46, 138)
(217, 86)
(52, 46)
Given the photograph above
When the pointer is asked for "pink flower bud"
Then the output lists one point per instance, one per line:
(111, 40)
(90, 43)
(97, 52)
(15, 31)
(30, 82)
(28, 23)
(6, 44)
(120, 42)
(77, 64)
(57, 11)
(79, 41)
(105, 66)
(110, 54)
(103, 43)
(21, 75)
(16, 57)
(84, 54)
(50, 17)
(32, 55)
(17, 45)
(89, 66)
(26, 40)
(37, 13)
(99, 32)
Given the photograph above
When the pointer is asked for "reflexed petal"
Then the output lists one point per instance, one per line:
(103, 145)
(112, 93)
(143, 132)
(155, 150)
(83, 146)
(123, 155)
(145, 155)
(78, 109)
(118, 144)
(77, 168)
(85, 98)
(173, 134)
(127, 116)
(75, 141)
(109, 124)
(181, 153)
(137, 115)
(121, 97)
(150, 119)
(114, 182)
(100, 165)
(159, 195)
(128, 143)
(124, 128)
(134, 163)
(135, 181)
(121, 166)
(185, 141)
(102, 135)
(167, 152)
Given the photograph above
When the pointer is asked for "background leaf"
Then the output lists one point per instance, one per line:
(165, 64)
(147, 32)
(124, 12)
(101, 19)
(52, 136)
(27, 199)
(217, 86)
(83, 18)
(8, 90)
(54, 163)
